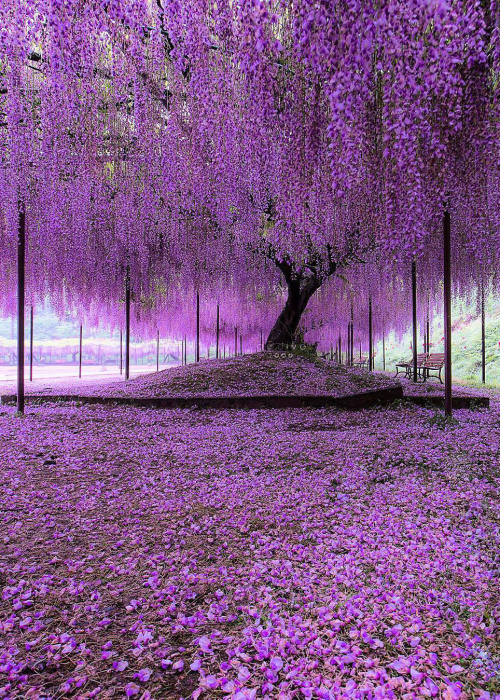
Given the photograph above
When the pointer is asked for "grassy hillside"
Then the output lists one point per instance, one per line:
(466, 342)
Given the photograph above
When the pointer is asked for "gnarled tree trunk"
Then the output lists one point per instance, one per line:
(302, 283)
(284, 331)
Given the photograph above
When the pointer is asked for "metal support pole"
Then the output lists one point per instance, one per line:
(121, 352)
(127, 323)
(197, 327)
(427, 331)
(31, 344)
(236, 341)
(370, 336)
(447, 313)
(185, 351)
(261, 342)
(352, 335)
(157, 351)
(383, 349)
(217, 332)
(340, 349)
(241, 344)
(483, 337)
(21, 262)
(414, 317)
(80, 353)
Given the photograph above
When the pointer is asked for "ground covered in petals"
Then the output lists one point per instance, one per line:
(249, 554)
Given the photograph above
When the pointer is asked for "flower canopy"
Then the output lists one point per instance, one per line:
(187, 139)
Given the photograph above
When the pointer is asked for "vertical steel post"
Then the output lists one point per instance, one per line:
(414, 317)
(483, 336)
(427, 329)
(80, 353)
(261, 342)
(127, 323)
(236, 341)
(31, 344)
(21, 262)
(197, 327)
(217, 332)
(121, 352)
(352, 335)
(157, 350)
(370, 336)
(447, 313)
(383, 349)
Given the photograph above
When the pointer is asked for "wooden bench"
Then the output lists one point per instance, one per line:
(433, 363)
(408, 366)
(361, 362)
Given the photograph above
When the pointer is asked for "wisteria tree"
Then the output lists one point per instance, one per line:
(228, 142)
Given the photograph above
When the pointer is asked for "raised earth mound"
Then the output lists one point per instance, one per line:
(260, 380)
(260, 374)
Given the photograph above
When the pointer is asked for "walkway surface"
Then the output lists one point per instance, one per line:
(244, 554)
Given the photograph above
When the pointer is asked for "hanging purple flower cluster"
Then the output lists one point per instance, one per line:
(201, 145)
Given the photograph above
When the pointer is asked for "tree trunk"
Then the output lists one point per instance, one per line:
(284, 331)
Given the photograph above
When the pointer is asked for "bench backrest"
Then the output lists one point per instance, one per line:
(420, 358)
(436, 358)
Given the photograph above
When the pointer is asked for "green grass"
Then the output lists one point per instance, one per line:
(466, 344)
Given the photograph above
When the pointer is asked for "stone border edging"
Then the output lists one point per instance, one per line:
(353, 401)
(457, 401)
